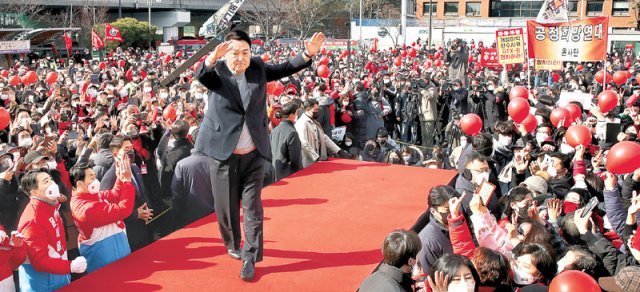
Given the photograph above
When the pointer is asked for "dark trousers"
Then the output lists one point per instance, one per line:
(237, 180)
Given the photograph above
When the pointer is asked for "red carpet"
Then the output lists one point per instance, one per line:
(324, 227)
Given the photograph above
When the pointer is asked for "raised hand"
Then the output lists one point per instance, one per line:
(610, 181)
(314, 45)
(476, 205)
(555, 209)
(454, 205)
(218, 52)
(441, 283)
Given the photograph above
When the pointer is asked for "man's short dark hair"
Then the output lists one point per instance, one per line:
(483, 144)
(78, 173)
(117, 141)
(440, 196)
(310, 103)
(29, 181)
(585, 261)
(104, 140)
(238, 35)
(475, 156)
(399, 246)
(180, 129)
(289, 109)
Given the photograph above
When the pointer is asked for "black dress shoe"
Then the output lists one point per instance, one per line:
(247, 271)
(234, 253)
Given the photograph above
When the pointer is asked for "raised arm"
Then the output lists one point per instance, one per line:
(275, 72)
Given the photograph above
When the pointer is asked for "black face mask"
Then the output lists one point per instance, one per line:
(369, 147)
(132, 155)
(382, 141)
(315, 115)
(524, 211)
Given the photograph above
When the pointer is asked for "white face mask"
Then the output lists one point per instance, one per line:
(566, 149)
(348, 143)
(541, 137)
(4, 97)
(552, 171)
(482, 177)
(52, 192)
(94, 186)
(522, 277)
(504, 140)
(345, 103)
(124, 92)
(110, 87)
(463, 143)
(406, 157)
(146, 89)
(26, 142)
(164, 95)
(460, 286)
(51, 164)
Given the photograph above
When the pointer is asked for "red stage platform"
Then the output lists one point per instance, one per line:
(323, 231)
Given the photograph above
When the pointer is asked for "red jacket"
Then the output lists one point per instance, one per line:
(460, 236)
(44, 234)
(92, 211)
(10, 257)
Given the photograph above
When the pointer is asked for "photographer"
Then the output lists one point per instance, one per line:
(407, 106)
(458, 60)
(457, 96)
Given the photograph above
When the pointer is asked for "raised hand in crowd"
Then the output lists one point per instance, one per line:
(633, 209)
(476, 205)
(554, 207)
(454, 205)
(440, 283)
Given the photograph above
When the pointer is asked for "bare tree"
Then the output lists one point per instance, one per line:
(90, 14)
(30, 9)
(308, 14)
(389, 18)
(269, 15)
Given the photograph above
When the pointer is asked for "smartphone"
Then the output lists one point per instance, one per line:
(72, 135)
(592, 204)
(485, 191)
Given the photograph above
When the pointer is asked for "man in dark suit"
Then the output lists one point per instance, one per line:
(192, 194)
(286, 149)
(235, 134)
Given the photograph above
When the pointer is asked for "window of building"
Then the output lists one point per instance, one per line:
(515, 8)
(451, 8)
(620, 8)
(473, 9)
(425, 8)
(594, 7)
(572, 8)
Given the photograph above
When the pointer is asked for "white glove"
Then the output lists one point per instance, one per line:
(3, 236)
(79, 265)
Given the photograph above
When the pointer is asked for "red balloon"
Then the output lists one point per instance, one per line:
(525, 67)
(471, 124)
(519, 91)
(437, 55)
(4, 73)
(413, 52)
(404, 53)
(437, 63)
(330, 53)
(143, 74)
(601, 75)
(323, 51)
(147, 56)
(29, 78)
(623, 157)
(51, 78)
(275, 88)
(555, 77)
(574, 110)
(579, 67)
(607, 101)
(572, 280)
(578, 135)
(179, 54)
(518, 109)
(169, 113)
(323, 71)
(5, 118)
(14, 80)
(530, 123)
(265, 57)
(620, 77)
(559, 114)
(121, 63)
(102, 65)
(397, 61)
(324, 61)
(167, 58)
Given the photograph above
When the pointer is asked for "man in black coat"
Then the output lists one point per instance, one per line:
(192, 193)
(176, 148)
(137, 232)
(286, 148)
(235, 134)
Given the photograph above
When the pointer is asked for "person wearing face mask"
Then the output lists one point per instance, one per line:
(286, 147)
(99, 214)
(399, 250)
(385, 143)
(48, 267)
(560, 175)
(458, 96)
(325, 103)
(502, 142)
(316, 145)
(533, 265)
(371, 152)
(476, 170)
(9, 196)
(543, 134)
(435, 235)
(454, 273)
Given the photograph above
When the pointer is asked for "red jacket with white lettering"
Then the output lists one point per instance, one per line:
(94, 210)
(10, 257)
(43, 230)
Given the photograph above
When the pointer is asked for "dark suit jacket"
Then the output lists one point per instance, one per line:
(286, 150)
(192, 193)
(222, 124)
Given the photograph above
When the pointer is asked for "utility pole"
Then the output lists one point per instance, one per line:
(403, 20)
(360, 26)
(430, 22)
(119, 8)
(149, 9)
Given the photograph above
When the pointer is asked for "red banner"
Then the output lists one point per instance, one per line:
(576, 40)
(96, 41)
(489, 57)
(112, 34)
